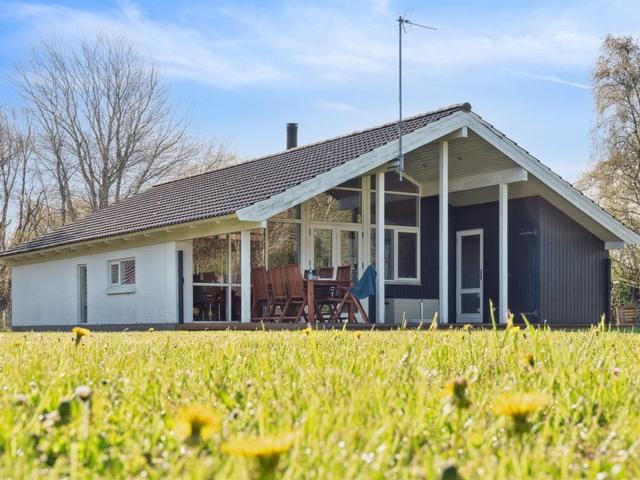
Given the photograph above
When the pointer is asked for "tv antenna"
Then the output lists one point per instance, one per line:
(402, 23)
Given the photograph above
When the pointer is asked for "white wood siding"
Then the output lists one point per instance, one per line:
(47, 293)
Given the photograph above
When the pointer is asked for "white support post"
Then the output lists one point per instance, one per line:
(443, 297)
(365, 244)
(503, 253)
(380, 294)
(245, 275)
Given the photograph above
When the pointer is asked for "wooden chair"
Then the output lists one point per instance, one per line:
(350, 301)
(279, 295)
(322, 293)
(296, 294)
(344, 297)
(325, 272)
(344, 274)
(261, 303)
(628, 315)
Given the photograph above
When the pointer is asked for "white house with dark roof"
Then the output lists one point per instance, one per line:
(475, 217)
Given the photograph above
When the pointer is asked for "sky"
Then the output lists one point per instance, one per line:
(242, 69)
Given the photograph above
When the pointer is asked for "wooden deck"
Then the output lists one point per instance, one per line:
(256, 326)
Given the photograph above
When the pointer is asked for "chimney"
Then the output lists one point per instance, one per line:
(292, 135)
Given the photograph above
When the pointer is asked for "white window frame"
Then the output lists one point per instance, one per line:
(401, 228)
(116, 288)
(227, 285)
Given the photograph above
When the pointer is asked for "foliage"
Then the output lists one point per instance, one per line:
(333, 404)
(613, 181)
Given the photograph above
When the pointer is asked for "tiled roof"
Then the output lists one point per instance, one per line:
(223, 192)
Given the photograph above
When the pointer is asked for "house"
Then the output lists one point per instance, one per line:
(475, 217)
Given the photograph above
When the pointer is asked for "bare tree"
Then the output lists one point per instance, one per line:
(107, 127)
(613, 180)
(23, 207)
(207, 156)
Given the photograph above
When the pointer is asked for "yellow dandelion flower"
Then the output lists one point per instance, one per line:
(529, 360)
(308, 330)
(80, 332)
(197, 422)
(263, 447)
(467, 327)
(456, 392)
(518, 406)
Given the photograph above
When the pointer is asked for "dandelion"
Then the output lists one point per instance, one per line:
(528, 360)
(307, 331)
(266, 449)
(456, 392)
(467, 327)
(151, 329)
(519, 406)
(197, 422)
(83, 392)
(80, 332)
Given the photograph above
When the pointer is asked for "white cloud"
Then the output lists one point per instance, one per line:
(339, 42)
(552, 78)
(338, 106)
(180, 51)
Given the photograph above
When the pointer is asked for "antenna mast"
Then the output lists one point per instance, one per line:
(401, 29)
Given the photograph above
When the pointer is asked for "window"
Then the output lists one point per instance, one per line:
(284, 237)
(337, 205)
(401, 228)
(284, 243)
(216, 277)
(122, 272)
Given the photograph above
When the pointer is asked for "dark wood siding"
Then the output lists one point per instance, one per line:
(558, 271)
(573, 273)
(524, 258)
(485, 217)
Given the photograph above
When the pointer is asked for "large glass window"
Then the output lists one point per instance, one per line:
(258, 248)
(210, 259)
(216, 278)
(401, 229)
(292, 213)
(400, 210)
(284, 243)
(392, 183)
(337, 205)
(400, 254)
(407, 254)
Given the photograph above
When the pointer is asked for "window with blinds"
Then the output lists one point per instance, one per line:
(122, 272)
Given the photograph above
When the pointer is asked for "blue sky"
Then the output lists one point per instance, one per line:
(242, 69)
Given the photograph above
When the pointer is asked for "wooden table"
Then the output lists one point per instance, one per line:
(311, 297)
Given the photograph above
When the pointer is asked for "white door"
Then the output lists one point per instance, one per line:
(469, 276)
(333, 246)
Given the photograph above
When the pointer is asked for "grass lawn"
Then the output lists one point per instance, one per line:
(321, 404)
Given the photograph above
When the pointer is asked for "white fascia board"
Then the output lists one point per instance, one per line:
(551, 179)
(351, 169)
(508, 175)
(613, 245)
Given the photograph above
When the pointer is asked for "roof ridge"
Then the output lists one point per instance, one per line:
(465, 106)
